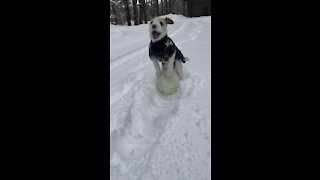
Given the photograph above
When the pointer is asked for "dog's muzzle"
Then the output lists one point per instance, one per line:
(155, 34)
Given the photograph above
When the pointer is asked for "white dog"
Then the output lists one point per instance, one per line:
(162, 49)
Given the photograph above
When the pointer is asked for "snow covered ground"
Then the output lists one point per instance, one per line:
(156, 137)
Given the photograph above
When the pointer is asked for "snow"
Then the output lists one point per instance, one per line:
(152, 136)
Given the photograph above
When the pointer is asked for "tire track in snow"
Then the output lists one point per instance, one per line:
(134, 141)
(141, 127)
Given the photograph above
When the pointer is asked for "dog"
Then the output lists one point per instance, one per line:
(163, 50)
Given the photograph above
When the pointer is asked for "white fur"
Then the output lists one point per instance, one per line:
(179, 69)
(168, 68)
(156, 67)
(161, 29)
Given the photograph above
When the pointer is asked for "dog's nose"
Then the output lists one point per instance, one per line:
(154, 26)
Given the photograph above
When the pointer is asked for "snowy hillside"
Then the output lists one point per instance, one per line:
(155, 137)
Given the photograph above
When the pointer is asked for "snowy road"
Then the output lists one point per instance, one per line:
(155, 137)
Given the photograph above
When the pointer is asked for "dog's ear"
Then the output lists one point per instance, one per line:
(168, 20)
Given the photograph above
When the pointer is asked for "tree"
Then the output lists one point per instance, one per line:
(151, 6)
(126, 5)
(157, 8)
(172, 6)
(151, 12)
(162, 7)
(183, 7)
(144, 8)
(166, 1)
(140, 12)
(135, 12)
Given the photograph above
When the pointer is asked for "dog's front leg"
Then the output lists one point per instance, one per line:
(168, 68)
(178, 68)
(156, 67)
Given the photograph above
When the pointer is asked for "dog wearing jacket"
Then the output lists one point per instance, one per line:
(163, 50)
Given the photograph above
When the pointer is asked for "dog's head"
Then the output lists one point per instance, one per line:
(158, 28)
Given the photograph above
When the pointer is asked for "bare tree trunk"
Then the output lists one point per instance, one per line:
(169, 6)
(161, 3)
(151, 8)
(166, 6)
(183, 7)
(135, 12)
(157, 8)
(140, 12)
(144, 11)
(172, 6)
(126, 5)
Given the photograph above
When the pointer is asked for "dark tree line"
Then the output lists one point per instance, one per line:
(140, 11)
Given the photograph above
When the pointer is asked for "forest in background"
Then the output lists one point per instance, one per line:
(135, 12)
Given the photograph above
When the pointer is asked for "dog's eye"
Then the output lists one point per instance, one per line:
(161, 23)
(151, 22)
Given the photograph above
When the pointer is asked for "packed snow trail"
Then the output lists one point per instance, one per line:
(156, 137)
